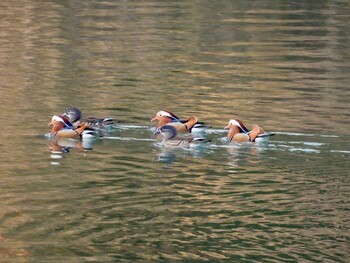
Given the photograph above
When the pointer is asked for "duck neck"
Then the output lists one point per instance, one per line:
(163, 121)
(233, 131)
(56, 127)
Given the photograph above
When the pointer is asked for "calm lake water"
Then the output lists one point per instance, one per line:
(282, 64)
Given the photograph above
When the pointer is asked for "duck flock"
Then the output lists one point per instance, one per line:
(71, 125)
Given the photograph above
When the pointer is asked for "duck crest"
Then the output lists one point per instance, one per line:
(66, 122)
(241, 126)
(59, 118)
(168, 114)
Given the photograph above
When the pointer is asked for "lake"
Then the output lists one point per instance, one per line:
(124, 197)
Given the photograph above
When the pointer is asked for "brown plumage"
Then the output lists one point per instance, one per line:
(170, 139)
(57, 130)
(239, 133)
(169, 118)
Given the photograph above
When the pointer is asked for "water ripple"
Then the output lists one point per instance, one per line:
(125, 198)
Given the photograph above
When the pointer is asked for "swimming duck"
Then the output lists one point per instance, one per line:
(239, 132)
(62, 128)
(168, 118)
(172, 141)
(75, 117)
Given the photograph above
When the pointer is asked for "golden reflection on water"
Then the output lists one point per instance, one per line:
(284, 66)
(56, 58)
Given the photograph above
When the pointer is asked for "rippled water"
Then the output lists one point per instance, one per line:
(282, 64)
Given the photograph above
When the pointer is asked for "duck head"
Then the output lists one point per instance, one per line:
(167, 132)
(237, 123)
(57, 123)
(73, 114)
(61, 118)
(235, 126)
(165, 114)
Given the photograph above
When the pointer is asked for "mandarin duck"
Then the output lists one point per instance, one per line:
(170, 139)
(75, 117)
(238, 132)
(62, 128)
(168, 118)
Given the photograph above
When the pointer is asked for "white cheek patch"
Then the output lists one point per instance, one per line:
(163, 113)
(57, 118)
(235, 123)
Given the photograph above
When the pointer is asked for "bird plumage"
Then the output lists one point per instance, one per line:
(61, 128)
(169, 118)
(76, 118)
(171, 140)
(238, 132)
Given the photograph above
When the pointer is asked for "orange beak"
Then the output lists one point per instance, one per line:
(227, 126)
(51, 123)
(155, 119)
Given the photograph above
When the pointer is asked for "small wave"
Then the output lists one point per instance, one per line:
(296, 134)
(307, 150)
(339, 151)
(307, 134)
(315, 144)
(330, 136)
(215, 131)
(298, 149)
(128, 138)
(127, 127)
(48, 135)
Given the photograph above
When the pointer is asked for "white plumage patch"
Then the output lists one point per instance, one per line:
(235, 123)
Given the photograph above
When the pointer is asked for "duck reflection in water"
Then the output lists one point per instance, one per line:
(170, 155)
(58, 147)
(64, 145)
(243, 153)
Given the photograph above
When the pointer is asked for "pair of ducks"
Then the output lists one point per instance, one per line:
(71, 125)
(169, 124)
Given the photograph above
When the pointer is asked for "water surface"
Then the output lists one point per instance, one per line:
(281, 64)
